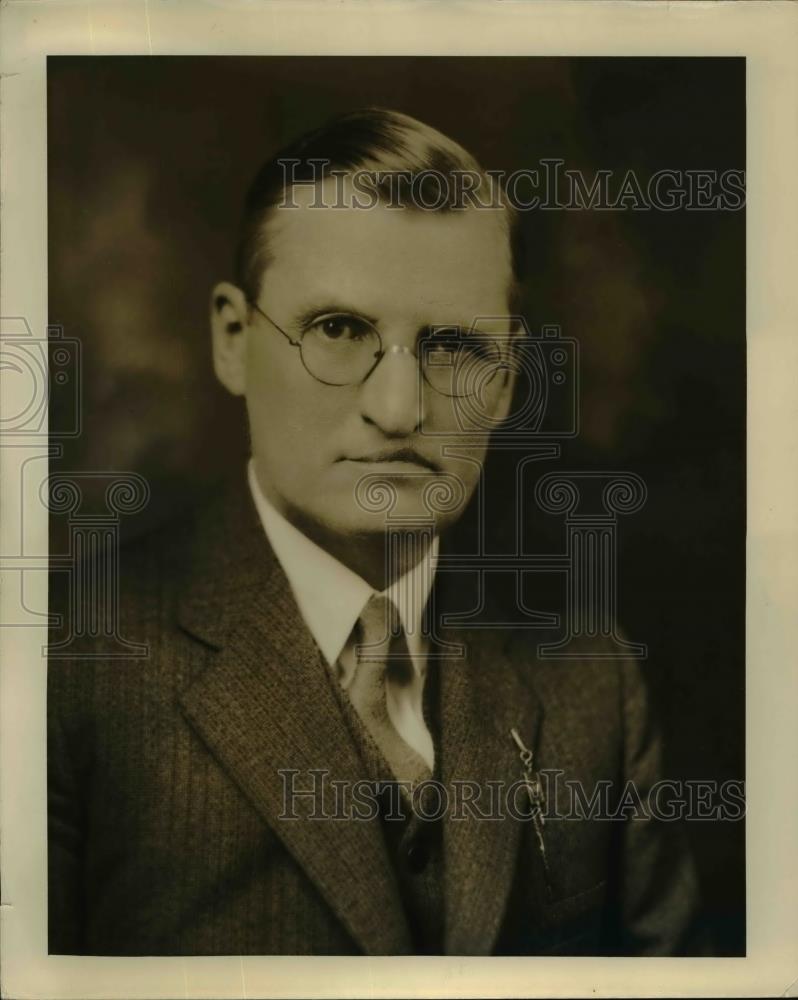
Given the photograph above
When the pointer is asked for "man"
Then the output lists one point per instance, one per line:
(259, 784)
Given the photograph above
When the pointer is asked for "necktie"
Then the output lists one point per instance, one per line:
(381, 652)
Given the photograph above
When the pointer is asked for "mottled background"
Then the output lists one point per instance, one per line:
(149, 159)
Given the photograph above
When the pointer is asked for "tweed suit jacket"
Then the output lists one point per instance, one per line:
(167, 778)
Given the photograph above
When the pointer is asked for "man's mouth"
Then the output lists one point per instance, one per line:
(394, 456)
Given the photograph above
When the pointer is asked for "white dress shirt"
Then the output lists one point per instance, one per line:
(331, 597)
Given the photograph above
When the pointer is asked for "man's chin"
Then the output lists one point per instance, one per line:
(379, 499)
(385, 509)
(382, 502)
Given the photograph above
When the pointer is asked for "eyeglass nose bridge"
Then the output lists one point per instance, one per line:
(400, 349)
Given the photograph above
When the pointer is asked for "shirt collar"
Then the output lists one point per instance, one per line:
(331, 596)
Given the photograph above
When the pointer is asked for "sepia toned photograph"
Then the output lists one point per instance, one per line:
(397, 505)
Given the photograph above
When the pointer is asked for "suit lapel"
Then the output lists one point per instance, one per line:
(482, 699)
(265, 705)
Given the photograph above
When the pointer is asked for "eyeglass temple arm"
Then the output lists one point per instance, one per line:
(294, 343)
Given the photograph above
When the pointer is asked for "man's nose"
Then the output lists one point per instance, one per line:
(391, 397)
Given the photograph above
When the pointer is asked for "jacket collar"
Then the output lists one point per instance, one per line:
(331, 596)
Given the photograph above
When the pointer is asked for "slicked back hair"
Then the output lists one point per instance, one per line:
(380, 142)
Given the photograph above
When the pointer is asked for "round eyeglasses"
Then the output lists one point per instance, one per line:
(341, 349)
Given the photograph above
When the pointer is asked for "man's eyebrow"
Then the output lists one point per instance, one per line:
(325, 307)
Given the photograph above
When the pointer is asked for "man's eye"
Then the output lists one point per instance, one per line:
(460, 344)
(461, 339)
(341, 328)
(446, 338)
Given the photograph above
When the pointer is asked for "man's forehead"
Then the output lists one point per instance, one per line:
(463, 252)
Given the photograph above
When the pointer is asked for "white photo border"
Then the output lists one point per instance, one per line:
(765, 34)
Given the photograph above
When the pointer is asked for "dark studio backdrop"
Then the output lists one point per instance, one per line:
(149, 160)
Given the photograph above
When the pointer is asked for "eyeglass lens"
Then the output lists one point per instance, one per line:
(454, 362)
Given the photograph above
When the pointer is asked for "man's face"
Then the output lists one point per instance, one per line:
(404, 271)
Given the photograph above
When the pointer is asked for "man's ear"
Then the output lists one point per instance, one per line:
(229, 330)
